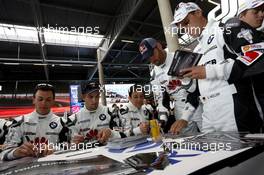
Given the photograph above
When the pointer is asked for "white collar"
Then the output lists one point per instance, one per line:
(35, 113)
(168, 59)
(209, 25)
(91, 112)
(132, 108)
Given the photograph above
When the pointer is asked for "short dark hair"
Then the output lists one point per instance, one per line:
(136, 88)
(243, 13)
(44, 87)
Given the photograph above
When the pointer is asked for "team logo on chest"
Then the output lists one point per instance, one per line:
(145, 112)
(53, 125)
(91, 134)
(246, 34)
(102, 117)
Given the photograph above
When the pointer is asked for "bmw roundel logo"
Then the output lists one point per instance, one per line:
(145, 112)
(102, 117)
(53, 125)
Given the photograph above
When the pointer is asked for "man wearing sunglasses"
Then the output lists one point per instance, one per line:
(227, 105)
(31, 135)
(93, 121)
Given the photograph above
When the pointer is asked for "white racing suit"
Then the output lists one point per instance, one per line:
(35, 128)
(177, 90)
(227, 105)
(131, 117)
(88, 123)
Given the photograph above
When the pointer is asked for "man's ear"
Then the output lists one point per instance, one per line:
(198, 13)
(33, 100)
(241, 16)
(159, 46)
(54, 103)
(83, 96)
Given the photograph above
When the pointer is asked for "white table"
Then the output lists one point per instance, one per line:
(185, 161)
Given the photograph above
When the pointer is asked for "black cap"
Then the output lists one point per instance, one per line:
(88, 88)
(146, 47)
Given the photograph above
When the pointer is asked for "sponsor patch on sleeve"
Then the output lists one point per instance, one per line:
(250, 57)
(251, 47)
(251, 53)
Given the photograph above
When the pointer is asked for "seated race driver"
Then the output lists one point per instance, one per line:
(31, 135)
(93, 121)
(134, 117)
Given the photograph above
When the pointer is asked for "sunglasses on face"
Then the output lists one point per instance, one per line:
(44, 85)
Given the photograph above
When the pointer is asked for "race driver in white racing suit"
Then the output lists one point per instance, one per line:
(227, 105)
(32, 135)
(94, 123)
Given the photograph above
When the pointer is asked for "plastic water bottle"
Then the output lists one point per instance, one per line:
(155, 130)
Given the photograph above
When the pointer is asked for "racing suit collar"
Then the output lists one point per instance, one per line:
(91, 112)
(206, 28)
(35, 113)
(132, 108)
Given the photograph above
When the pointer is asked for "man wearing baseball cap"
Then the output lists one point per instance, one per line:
(251, 12)
(185, 17)
(146, 47)
(177, 89)
(184, 10)
(246, 45)
(250, 15)
(93, 121)
(225, 105)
